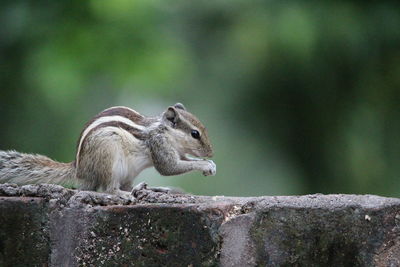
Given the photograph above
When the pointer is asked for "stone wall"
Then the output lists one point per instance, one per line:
(47, 225)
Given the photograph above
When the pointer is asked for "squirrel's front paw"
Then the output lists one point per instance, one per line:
(210, 169)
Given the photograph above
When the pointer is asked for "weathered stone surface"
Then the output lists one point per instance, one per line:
(48, 225)
(23, 231)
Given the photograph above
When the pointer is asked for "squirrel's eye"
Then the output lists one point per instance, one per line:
(195, 134)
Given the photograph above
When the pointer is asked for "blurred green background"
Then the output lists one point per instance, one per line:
(298, 96)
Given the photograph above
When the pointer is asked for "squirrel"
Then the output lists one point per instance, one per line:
(114, 147)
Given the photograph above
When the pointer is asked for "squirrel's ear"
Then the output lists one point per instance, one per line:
(171, 114)
(180, 106)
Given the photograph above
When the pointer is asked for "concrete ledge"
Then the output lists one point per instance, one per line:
(48, 225)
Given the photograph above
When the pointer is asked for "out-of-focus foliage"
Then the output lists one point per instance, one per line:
(299, 96)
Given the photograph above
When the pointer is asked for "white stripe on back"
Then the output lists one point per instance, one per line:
(104, 120)
(122, 107)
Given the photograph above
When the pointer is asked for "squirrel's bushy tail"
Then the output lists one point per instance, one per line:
(20, 168)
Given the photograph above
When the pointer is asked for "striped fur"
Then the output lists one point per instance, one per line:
(114, 147)
(109, 121)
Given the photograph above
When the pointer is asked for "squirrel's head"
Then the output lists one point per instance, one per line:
(187, 132)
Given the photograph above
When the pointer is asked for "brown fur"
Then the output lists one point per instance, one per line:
(135, 132)
(117, 111)
(113, 153)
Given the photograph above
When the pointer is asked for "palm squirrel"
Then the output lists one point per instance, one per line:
(114, 147)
